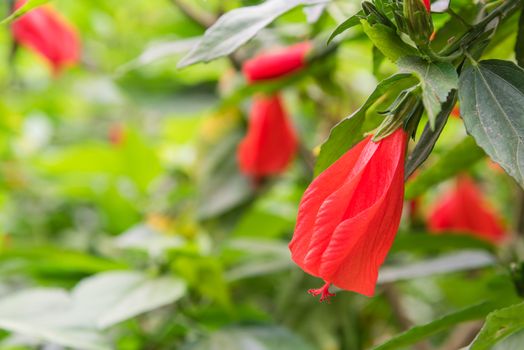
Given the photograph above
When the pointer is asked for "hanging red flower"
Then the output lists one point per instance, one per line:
(349, 216)
(270, 143)
(463, 209)
(277, 63)
(46, 32)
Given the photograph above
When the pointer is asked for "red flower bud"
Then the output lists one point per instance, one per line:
(47, 33)
(349, 216)
(427, 3)
(277, 63)
(464, 209)
(270, 143)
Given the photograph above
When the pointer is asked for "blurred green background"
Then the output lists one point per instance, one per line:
(125, 224)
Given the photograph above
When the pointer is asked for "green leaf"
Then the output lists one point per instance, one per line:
(347, 24)
(519, 45)
(418, 333)
(251, 338)
(459, 158)
(111, 297)
(42, 314)
(28, 6)
(429, 137)
(499, 325)
(237, 27)
(443, 264)
(351, 130)
(437, 80)
(222, 187)
(492, 104)
(387, 41)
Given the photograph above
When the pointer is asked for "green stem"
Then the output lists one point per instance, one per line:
(478, 28)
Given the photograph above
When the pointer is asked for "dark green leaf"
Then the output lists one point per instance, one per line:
(348, 23)
(499, 325)
(492, 104)
(387, 41)
(419, 333)
(351, 130)
(519, 45)
(437, 81)
(28, 6)
(459, 158)
(429, 137)
(237, 27)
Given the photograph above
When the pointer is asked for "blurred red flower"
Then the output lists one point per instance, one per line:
(463, 209)
(277, 63)
(349, 216)
(46, 32)
(270, 143)
(427, 3)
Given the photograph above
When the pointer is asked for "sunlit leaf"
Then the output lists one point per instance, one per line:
(28, 6)
(237, 27)
(347, 24)
(43, 314)
(499, 325)
(387, 41)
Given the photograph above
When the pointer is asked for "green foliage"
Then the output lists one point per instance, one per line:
(236, 28)
(387, 41)
(419, 333)
(351, 130)
(499, 325)
(437, 81)
(459, 158)
(491, 103)
(125, 222)
(28, 6)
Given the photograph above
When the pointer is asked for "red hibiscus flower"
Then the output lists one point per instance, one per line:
(464, 209)
(277, 63)
(46, 32)
(349, 216)
(270, 143)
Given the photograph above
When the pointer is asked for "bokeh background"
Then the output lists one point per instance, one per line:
(126, 224)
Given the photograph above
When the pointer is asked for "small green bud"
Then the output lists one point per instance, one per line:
(419, 25)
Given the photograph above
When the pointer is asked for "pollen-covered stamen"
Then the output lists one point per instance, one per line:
(323, 292)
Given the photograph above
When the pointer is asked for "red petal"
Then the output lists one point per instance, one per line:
(276, 63)
(270, 143)
(321, 188)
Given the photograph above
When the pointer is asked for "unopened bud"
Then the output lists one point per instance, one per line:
(419, 25)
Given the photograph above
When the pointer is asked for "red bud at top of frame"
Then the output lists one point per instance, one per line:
(44, 31)
(275, 64)
(350, 214)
